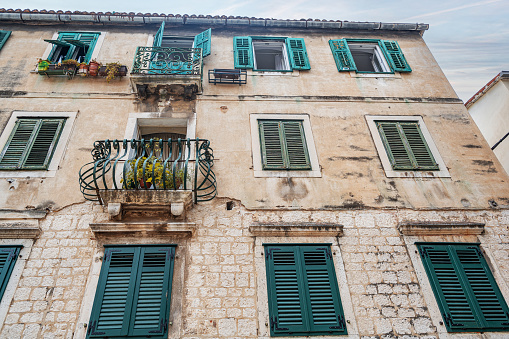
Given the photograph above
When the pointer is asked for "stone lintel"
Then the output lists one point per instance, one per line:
(22, 214)
(19, 229)
(173, 228)
(296, 229)
(440, 228)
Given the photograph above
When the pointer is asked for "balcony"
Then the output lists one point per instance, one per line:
(149, 175)
(159, 67)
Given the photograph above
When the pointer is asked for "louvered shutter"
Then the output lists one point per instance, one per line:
(202, 41)
(285, 291)
(395, 56)
(16, 148)
(466, 292)
(295, 145)
(405, 145)
(298, 55)
(4, 35)
(302, 290)
(243, 52)
(152, 295)
(342, 56)
(89, 39)
(158, 38)
(8, 256)
(272, 145)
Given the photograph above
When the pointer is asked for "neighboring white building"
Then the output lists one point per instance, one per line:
(489, 108)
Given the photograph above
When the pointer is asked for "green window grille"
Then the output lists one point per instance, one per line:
(31, 144)
(406, 146)
(4, 35)
(296, 48)
(8, 256)
(73, 45)
(303, 291)
(133, 293)
(466, 292)
(390, 50)
(283, 145)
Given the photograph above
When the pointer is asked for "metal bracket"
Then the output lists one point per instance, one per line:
(268, 252)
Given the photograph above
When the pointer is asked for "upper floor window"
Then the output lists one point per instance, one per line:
(270, 53)
(4, 35)
(368, 56)
(73, 45)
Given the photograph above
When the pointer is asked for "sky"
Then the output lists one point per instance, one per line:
(469, 38)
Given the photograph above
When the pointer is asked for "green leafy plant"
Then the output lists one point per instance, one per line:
(157, 179)
(43, 65)
(71, 62)
(112, 70)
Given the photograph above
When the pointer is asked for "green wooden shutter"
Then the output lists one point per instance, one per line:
(466, 292)
(151, 306)
(272, 145)
(113, 301)
(8, 256)
(298, 55)
(302, 291)
(342, 56)
(202, 41)
(406, 147)
(17, 145)
(4, 35)
(88, 39)
(295, 145)
(158, 38)
(395, 56)
(243, 52)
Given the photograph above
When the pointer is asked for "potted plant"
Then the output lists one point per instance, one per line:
(93, 68)
(83, 69)
(112, 70)
(43, 65)
(148, 180)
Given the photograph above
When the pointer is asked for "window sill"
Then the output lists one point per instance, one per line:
(287, 174)
(294, 73)
(417, 174)
(396, 75)
(27, 174)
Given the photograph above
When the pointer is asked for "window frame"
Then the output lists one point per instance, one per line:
(284, 52)
(465, 286)
(442, 172)
(256, 149)
(378, 52)
(59, 149)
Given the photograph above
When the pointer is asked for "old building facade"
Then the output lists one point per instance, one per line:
(295, 179)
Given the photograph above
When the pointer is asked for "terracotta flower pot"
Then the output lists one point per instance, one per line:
(93, 68)
(83, 70)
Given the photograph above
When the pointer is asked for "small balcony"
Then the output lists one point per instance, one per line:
(157, 67)
(168, 175)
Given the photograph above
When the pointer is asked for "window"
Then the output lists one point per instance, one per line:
(4, 35)
(201, 40)
(368, 56)
(8, 256)
(283, 146)
(466, 292)
(303, 291)
(270, 54)
(405, 147)
(31, 144)
(133, 293)
(73, 45)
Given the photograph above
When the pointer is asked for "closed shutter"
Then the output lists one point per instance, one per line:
(298, 55)
(8, 256)
(406, 147)
(303, 291)
(395, 56)
(243, 52)
(466, 292)
(133, 293)
(31, 144)
(4, 35)
(202, 41)
(283, 145)
(342, 56)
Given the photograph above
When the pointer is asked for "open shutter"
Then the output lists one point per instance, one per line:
(43, 145)
(4, 35)
(395, 56)
(8, 256)
(272, 145)
(243, 52)
(158, 38)
(324, 303)
(86, 41)
(16, 147)
(111, 312)
(298, 55)
(295, 145)
(202, 41)
(152, 295)
(285, 291)
(342, 55)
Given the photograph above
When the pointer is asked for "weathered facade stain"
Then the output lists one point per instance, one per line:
(291, 189)
(486, 163)
(472, 146)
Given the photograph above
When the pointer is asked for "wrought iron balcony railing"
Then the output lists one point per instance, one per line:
(182, 164)
(167, 61)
